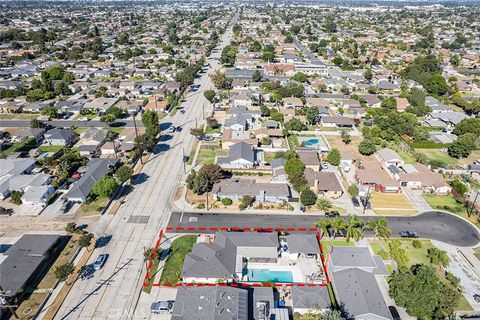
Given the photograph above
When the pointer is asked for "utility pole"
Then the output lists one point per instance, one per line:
(136, 137)
(183, 160)
(474, 201)
(366, 199)
(5, 304)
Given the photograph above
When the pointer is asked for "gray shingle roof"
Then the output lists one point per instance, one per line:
(303, 243)
(237, 151)
(310, 297)
(358, 291)
(352, 257)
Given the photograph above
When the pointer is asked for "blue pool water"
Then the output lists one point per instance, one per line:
(263, 275)
(310, 142)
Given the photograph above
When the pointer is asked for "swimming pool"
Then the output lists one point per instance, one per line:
(310, 142)
(264, 275)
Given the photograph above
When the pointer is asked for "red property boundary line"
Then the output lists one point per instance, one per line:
(242, 284)
(239, 229)
(154, 254)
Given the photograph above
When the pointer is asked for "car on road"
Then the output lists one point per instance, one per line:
(178, 128)
(172, 129)
(408, 234)
(332, 214)
(324, 165)
(84, 119)
(182, 111)
(162, 307)
(355, 202)
(186, 158)
(476, 297)
(66, 206)
(100, 262)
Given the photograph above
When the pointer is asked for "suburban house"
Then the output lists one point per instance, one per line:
(336, 122)
(100, 105)
(231, 137)
(354, 273)
(278, 170)
(240, 156)
(59, 137)
(23, 260)
(444, 119)
(371, 173)
(235, 189)
(418, 176)
(292, 102)
(227, 257)
(309, 157)
(324, 183)
(224, 302)
(91, 141)
(97, 169)
(389, 157)
(310, 300)
(27, 133)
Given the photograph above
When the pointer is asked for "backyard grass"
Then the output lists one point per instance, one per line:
(438, 155)
(407, 157)
(390, 201)
(21, 146)
(53, 149)
(173, 265)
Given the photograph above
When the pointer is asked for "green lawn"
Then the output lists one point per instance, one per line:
(173, 265)
(152, 273)
(436, 154)
(210, 130)
(21, 146)
(477, 253)
(89, 116)
(53, 149)
(93, 207)
(449, 203)
(407, 157)
(207, 154)
(116, 130)
(416, 255)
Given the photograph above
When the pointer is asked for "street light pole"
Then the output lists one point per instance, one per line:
(136, 138)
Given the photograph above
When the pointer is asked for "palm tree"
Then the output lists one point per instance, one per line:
(323, 224)
(338, 224)
(353, 231)
(379, 226)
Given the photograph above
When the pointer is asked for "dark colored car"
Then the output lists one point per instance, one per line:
(186, 158)
(332, 214)
(164, 254)
(339, 234)
(355, 202)
(408, 234)
(476, 297)
(366, 202)
(66, 206)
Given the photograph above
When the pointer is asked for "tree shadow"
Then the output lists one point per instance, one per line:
(103, 241)
(140, 178)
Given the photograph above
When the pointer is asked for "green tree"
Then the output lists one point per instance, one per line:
(116, 111)
(399, 254)
(438, 257)
(368, 75)
(150, 119)
(323, 225)
(353, 190)
(63, 271)
(389, 103)
(16, 196)
(379, 226)
(421, 292)
(145, 142)
(437, 85)
(337, 60)
(35, 123)
(256, 76)
(353, 228)
(346, 138)
(323, 204)
(295, 125)
(468, 125)
(459, 186)
(294, 165)
(210, 95)
(105, 187)
(51, 112)
(108, 118)
(85, 240)
(124, 173)
(245, 202)
(463, 146)
(338, 224)
(308, 197)
(300, 77)
(367, 147)
(334, 157)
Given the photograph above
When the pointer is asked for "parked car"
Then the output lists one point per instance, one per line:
(476, 297)
(332, 214)
(164, 254)
(66, 206)
(186, 158)
(182, 111)
(162, 307)
(408, 234)
(355, 202)
(339, 234)
(178, 128)
(172, 129)
(100, 262)
(324, 165)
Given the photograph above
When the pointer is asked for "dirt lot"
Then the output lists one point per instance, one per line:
(391, 203)
(351, 148)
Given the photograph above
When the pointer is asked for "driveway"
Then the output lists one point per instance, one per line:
(434, 225)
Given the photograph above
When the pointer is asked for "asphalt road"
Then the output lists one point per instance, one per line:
(307, 52)
(114, 292)
(433, 225)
